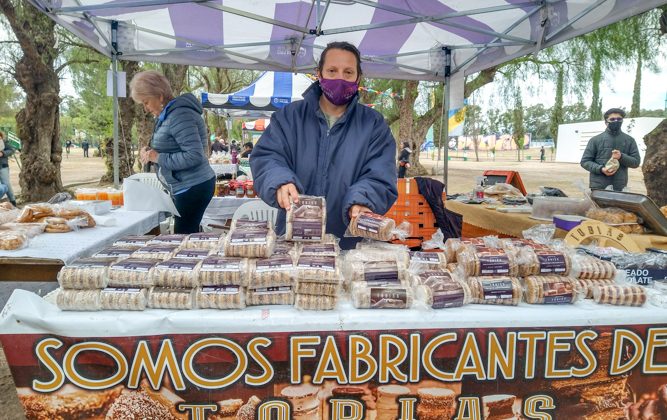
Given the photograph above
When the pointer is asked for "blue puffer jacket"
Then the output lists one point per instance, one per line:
(180, 139)
(351, 163)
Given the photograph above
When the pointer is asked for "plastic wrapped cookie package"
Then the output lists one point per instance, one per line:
(177, 272)
(376, 273)
(78, 300)
(220, 297)
(136, 241)
(171, 298)
(551, 289)
(620, 295)
(12, 240)
(318, 288)
(306, 221)
(132, 273)
(586, 286)
(224, 271)
(283, 247)
(315, 302)
(155, 252)
(278, 295)
(119, 253)
(318, 269)
(204, 240)
(488, 262)
(85, 273)
(452, 246)
(124, 299)
(381, 297)
(251, 243)
(247, 224)
(192, 254)
(542, 262)
(591, 268)
(278, 270)
(380, 228)
(421, 261)
(440, 292)
(401, 256)
(174, 239)
(318, 250)
(495, 290)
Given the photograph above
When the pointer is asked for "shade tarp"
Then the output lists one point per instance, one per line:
(270, 92)
(398, 39)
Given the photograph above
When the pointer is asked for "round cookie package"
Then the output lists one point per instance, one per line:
(278, 270)
(478, 261)
(280, 295)
(174, 239)
(258, 243)
(381, 297)
(171, 298)
(220, 297)
(306, 221)
(132, 273)
(420, 261)
(204, 240)
(377, 227)
(155, 252)
(136, 241)
(315, 302)
(317, 288)
(124, 299)
(620, 295)
(224, 271)
(318, 269)
(440, 292)
(551, 290)
(177, 272)
(495, 290)
(78, 300)
(85, 273)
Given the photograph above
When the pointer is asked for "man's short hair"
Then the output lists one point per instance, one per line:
(614, 111)
(248, 145)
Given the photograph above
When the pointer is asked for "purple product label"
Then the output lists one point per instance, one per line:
(551, 262)
(272, 290)
(168, 239)
(434, 273)
(388, 298)
(491, 263)
(251, 224)
(221, 264)
(381, 273)
(316, 249)
(370, 222)
(307, 229)
(134, 240)
(448, 299)
(157, 249)
(279, 262)
(323, 263)
(115, 252)
(192, 253)
(248, 236)
(180, 265)
(424, 257)
(132, 290)
(497, 289)
(558, 292)
(282, 249)
(134, 265)
(220, 290)
(204, 237)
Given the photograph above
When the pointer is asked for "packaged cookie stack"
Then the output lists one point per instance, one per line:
(116, 252)
(249, 239)
(204, 240)
(377, 227)
(620, 295)
(484, 261)
(307, 219)
(155, 252)
(591, 272)
(424, 261)
(175, 239)
(175, 281)
(271, 281)
(133, 241)
(443, 291)
(129, 282)
(496, 290)
(223, 283)
(80, 284)
(452, 246)
(318, 282)
(551, 289)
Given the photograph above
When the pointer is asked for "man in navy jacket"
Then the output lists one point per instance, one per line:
(328, 145)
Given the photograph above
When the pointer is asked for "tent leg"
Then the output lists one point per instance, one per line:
(114, 71)
(445, 115)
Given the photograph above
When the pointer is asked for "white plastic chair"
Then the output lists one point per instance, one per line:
(256, 210)
(149, 178)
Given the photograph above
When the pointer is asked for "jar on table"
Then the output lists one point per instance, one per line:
(232, 188)
(250, 190)
(240, 190)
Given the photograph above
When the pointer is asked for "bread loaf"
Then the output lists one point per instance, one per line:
(78, 300)
(550, 290)
(124, 299)
(171, 298)
(220, 297)
(224, 271)
(495, 290)
(383, 297)
(372, 226)
(85, 273)
(177, 272)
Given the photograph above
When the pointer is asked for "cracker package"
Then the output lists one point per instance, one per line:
(171, 298)
(117, 252)
(85, 273)
(124, 299)
(552, 289)
(277, 270)
(220, 297)
(318, 250)
(440, 292)
(204, 240)
(495, 290)
(315, 302)
(155, 252)
(175, 239)
(380, 228)
(132, 273)
(177, 272)
(224, 271)
(78, 300)
(316, 268)
(280, 295)
(381, 297)
(136, 241)
(307, 219)
(250, 243)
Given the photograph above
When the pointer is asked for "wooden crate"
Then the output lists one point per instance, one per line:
(413, 207)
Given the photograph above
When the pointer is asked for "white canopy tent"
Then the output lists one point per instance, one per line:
(400, 39)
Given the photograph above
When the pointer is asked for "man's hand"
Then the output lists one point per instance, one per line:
(616, 154)
(356, 210)
(284, 193)
(608, 172)
(148, 155)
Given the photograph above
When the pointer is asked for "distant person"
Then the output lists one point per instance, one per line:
(5, 152)
(85, 146)
(542, 154)
(404, 159)
(218, 146)
(68, 146)
(612, 143)
(247, 149)
(234, 146)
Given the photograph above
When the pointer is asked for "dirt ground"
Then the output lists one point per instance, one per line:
(77, 170)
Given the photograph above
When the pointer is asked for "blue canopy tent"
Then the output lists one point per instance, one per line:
(270, 92)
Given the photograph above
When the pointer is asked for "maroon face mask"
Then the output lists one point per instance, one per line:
(338, 91)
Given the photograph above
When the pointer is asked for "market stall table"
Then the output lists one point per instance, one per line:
(48, 252)
(220, 209)
(479, 220)
(209, 356)
(224, 168)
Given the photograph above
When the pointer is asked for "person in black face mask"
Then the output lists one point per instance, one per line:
(612, 143)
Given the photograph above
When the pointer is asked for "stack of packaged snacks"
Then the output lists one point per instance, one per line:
(271, 281)
(81, 283)
(223, 283)
(249, 239)
(318, 282)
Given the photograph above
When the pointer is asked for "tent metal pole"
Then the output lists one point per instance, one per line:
(114, 75)
(445, 115)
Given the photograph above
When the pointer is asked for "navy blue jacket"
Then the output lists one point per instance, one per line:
(598, 152)
(182, 143)
(351, 163)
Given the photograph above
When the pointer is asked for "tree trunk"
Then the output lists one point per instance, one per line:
(127, 111)
(176, 74)
(595, 111)
(145, 125)
(635, 110)
(655, 164)
(557, 111)
(38, 123)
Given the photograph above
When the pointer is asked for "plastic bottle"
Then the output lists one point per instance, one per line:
(479, 187)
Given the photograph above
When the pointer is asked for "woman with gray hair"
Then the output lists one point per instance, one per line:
(178, 147)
